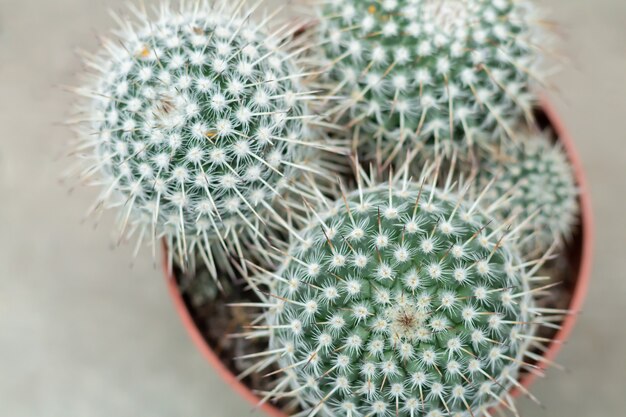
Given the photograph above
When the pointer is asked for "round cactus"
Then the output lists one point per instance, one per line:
(437, 74)
(197, 123)
(534, 183)
(401, 300)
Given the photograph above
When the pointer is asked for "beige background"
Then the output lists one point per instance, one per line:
(82, 333)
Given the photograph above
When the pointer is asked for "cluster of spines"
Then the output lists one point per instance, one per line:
(438, 75)
(197, 125)
(402, 298)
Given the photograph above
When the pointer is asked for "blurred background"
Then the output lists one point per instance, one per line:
(84, 333)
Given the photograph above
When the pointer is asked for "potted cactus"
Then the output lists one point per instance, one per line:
(425, 285)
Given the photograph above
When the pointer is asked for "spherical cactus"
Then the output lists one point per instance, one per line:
(402, 300)
(438, 74)
(534, 183)
(198, 124)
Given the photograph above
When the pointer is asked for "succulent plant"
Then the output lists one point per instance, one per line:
(197, 123)
(534, 183)
(402, 299)
(408, 297)
(433, 74)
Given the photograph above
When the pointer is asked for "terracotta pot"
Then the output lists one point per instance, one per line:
(580, 258)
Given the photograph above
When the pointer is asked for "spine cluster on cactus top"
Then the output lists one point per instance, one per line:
(197, 123)
(402, 299)
(446, 74)
(534, 183)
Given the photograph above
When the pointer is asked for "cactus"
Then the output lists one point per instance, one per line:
(401, 299)
(197, 123)
(434, 74)
(534, 183)
(407, 297)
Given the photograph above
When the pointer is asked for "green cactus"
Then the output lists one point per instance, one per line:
(401, 299)
(197, 125)
(434, 74)
(535, 184)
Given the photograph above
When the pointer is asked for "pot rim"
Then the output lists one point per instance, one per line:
(576, 303)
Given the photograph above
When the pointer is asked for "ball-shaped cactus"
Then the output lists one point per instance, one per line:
(533, 182)
(437, 74)
(401, 300)
(197, 124)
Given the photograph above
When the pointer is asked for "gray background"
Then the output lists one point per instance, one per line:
(82, 333)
